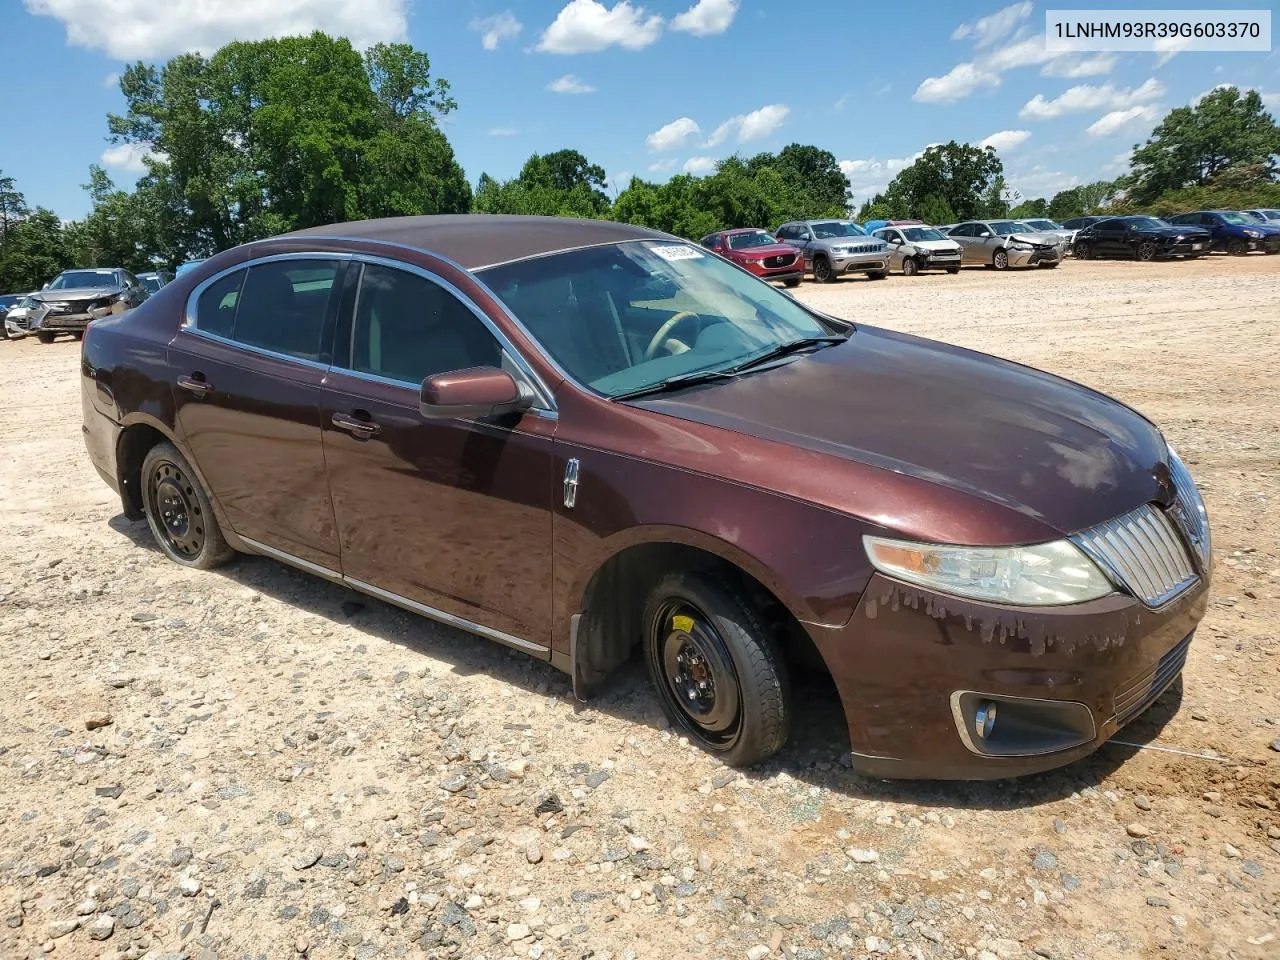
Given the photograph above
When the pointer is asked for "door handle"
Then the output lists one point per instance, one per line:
(360, 428)
(196, 383)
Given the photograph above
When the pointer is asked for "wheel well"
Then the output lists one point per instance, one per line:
(613, 605)
(131, 450)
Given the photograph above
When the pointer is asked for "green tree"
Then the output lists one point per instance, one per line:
(813, 182)
(13, 207)
(272, 135)
(34, 252)
(563, 183)
(1194, 144)
(1082, 201)
(968, 179)
(1039, 207)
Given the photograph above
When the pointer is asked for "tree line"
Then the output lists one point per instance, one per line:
(275, 135)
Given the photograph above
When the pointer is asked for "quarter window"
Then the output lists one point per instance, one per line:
(216, 309)
(408, 328)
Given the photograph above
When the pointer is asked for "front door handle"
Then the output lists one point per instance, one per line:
(196, 383)
(360, 428)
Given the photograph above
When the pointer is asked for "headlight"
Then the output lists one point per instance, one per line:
(842, 251)
(1019, 245)
(1045, 574)
(1191, 505)
(1255, 234)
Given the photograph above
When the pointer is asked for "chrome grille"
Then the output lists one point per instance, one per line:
(1189, 513)
(1142, 552)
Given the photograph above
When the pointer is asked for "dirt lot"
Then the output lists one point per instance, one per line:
(284, 768)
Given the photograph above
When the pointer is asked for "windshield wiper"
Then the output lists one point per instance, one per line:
(676, 383)
(782, 350)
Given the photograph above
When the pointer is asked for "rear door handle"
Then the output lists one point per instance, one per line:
(196, 383)
(358, 427)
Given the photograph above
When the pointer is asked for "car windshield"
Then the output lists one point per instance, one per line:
(82, 279)
(756, 238)
(916, 234)
(837, 228)
(151, 283)
(1145, 223)
(1236, 218)
(622, 317)
(1043, 224)
(1004, 228)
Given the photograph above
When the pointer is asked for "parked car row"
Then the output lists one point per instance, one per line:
(68, 303)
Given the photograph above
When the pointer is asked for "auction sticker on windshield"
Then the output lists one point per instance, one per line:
(675, 251)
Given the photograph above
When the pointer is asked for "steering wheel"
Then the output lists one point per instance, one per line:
(664, 331)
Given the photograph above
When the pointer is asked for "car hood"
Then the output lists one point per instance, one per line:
(1046, 239)
(768, 250)
(1038, 444)
(944, 244)
(75, 295)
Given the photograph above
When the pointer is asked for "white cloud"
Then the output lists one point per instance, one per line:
(1024, 53)
(1088, 97)
(570, 84)
(673, 135)
(1042, 182)
(1006, 139)
(747, 127)
(586, 26)
(706, 17)
(989, 29)
(962, 80)
(1168, 48)
(129, 157)
(111, 80)
(869, 177)
(1074, 68)
(662, 166)
(493, 30)
(137, 29)
(503, 131)
(1270, 100)
(700, 166)
(1119, 120)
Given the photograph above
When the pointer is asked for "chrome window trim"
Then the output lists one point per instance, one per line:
(190, 325)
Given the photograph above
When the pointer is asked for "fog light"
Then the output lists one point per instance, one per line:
(984, 719)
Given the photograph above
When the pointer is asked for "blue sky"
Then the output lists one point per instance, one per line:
(650, 87)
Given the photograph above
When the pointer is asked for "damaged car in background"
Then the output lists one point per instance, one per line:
(1000, 244)
(914, 247)
(74, 298)
(584, 439)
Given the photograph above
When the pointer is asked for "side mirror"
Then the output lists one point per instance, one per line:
(471, 394)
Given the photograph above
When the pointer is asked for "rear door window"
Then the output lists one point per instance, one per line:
(282, 306)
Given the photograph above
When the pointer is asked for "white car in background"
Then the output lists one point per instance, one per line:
(17, 322)
(917, 246)
(1045, 225)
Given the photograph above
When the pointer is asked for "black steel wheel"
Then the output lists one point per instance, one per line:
(178, 510)
(910, 267)
(1000, 260)
(1146, 250)
(720, 677)
(823, 272)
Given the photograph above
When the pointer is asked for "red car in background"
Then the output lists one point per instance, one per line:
(758, 251)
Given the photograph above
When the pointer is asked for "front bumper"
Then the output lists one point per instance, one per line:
(791, 271)
(907, 658)
(861, 263)
(1033, 257)
(941, 261)
(17, 329)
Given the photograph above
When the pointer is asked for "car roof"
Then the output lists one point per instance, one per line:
(482, 240)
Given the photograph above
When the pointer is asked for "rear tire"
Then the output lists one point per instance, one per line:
(823, 272)
(909, 267)
(178, 511)
(45, 336)
(720, 677)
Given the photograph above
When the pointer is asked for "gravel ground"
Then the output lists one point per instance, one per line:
(253, 763)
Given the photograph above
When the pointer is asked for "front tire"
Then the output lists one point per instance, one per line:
(909, 267)
(1146, 250)
(823, 272)
(1083, 250)
(1000, 260)
(178, 511)
(1237, 247)
(44, 336)
(720, 677)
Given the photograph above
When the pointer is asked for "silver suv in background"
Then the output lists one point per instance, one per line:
(833, 248)
(1006, 243)
(916, 247)
(1045, 225)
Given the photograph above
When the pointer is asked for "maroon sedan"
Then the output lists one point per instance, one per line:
(577, 438)
(758, 251)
